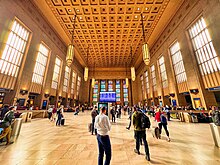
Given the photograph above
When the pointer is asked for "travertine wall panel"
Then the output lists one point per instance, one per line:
(177, 30)
(28, 14)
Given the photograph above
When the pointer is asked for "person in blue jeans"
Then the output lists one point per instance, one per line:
(103, 126)
(59, 115)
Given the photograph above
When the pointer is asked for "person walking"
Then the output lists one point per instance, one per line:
(140, 132)
(77, 110)
(93, 114)
(113, 114)
(4, 111)
(50, 111)
(130, 116)
(162, 122)
(54, 112)
(103, 126)
(59, 115)
(119, 112)
(6, 123)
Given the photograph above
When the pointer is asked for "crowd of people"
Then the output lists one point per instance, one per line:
(139, 117)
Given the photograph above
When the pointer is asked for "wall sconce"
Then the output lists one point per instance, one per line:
(86, 73)
(194, 91)
(23, 92)
(46, 95)
(93, 82)
(172, 94)
(2, 94)
(126, 82)
(86, 70)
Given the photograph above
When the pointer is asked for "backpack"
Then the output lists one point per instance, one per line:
(163, 119)
(58, 111)
(145, 121)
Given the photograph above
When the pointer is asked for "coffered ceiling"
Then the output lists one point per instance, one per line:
(108, 28)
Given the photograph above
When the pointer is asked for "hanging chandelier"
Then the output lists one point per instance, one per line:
(132, 67)
(93, 82)
(145, 48)
(86, 70)
(93, 78)
(86, 73)
(133, 77)
(70, 49)
(126, 79)
(126, 82)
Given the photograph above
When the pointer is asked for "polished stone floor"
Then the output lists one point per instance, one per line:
(42, 143)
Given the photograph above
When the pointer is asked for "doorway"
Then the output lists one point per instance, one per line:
(188, 99)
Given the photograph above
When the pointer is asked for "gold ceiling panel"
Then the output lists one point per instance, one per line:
(108, 27)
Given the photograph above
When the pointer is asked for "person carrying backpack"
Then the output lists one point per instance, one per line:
(163, 123)
(141, 122)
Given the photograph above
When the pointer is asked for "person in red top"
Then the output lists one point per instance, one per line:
(162, 122)
(157, 115)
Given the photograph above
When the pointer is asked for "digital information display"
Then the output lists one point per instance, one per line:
(107, 97)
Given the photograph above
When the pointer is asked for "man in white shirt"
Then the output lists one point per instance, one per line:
(103, 126)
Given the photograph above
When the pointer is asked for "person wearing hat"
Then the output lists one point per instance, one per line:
(6, 123)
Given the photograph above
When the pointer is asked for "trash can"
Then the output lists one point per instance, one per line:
(215, 134)
(16, 128)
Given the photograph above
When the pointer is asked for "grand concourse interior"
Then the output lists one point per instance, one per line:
(85, 53)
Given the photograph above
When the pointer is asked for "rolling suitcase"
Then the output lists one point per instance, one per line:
(62, 121)
(157, 133)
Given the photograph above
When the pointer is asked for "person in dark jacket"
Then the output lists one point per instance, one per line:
(113, 114)
(4, 111)
(59, 115)
(130, 115)
(6, 123)
(139, 133)
(93, 115)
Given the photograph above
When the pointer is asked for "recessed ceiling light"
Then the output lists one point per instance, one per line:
(69, 10)
(80, 17)
(135, 16)
(138, 8)
(77, 10)
(146, 8)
